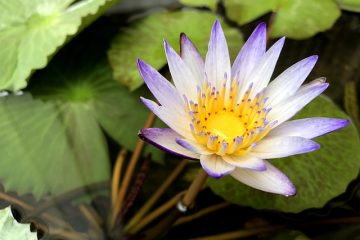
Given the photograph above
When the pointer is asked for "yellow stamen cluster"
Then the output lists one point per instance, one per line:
(226, 124)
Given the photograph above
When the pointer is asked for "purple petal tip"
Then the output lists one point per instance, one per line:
(261, 27)
(313, 147)
(140, 63)
(314, 57)
(291, 192)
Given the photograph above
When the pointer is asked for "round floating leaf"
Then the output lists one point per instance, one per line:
(319, 176)
(11, 229)
(296, 19)
(349, 5)
(301, 19)
(244, 11)
(144, 39)
(79, 77)
(200, 3)
(38, 147)
(33, 30)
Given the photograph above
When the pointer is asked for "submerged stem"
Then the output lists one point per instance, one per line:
(260, 230)
(117, 175)
(155, 197)
(184, 203)
(129, 172)
(156, 213)
(202, 213)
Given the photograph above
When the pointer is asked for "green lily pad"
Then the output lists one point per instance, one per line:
(349, 5)
(80, 77)
(38, 146)
(200, 3)
(301, 19)
(318, 176)
(11, 229)
(245, 11)
(296, 19)
(31, 31)
(144, 39)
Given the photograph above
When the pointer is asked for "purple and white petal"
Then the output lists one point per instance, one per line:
(288, 82)
(165, 139)
(162, 89)
(191, 56)
(249, 56)
(287, 108)
(309, 127)
(261, 75)
(271, 180)
(217, 62)
(176, 121)
(182, 76)
(246, 162)
(215, 166)
(278, 147)
(193, 146)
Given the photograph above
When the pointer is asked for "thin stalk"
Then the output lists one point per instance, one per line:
(69, 235)
(194, 188)
(136, 186)
(201, 213)
(15, 201)
(129, 172)
(260, 230)
(117, 175)
(70, 195)
(241, 233)
(155, 197)
(93, 219)
(186, 202)
(156, 213)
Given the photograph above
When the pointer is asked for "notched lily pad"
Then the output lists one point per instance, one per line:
(296, 19)
(319, 176)
(144, 39)
(31, 31)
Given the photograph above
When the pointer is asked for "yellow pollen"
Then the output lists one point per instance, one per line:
(226, 126)
(226, 123)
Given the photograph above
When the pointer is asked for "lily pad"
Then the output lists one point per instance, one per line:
(349, 5)
(245, 11)
(296, 19)
(319, 176)
(144, 39)
(37, 148)
(11, 229)
(200, 3)
(80, 78)
(31, 31)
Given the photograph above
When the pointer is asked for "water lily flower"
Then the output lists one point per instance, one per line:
(232, 118)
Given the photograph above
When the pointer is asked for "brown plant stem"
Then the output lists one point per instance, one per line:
(116, 177)
(136, 186)
(15, 201)
(129, 172)
(260, 230)
(67, 196)
(156, 213)
(93, 219)
(155, 197)
(186, 202)
(201, 213)
(69, 235)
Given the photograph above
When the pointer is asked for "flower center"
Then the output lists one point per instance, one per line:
(226, 126)
(225, 122)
